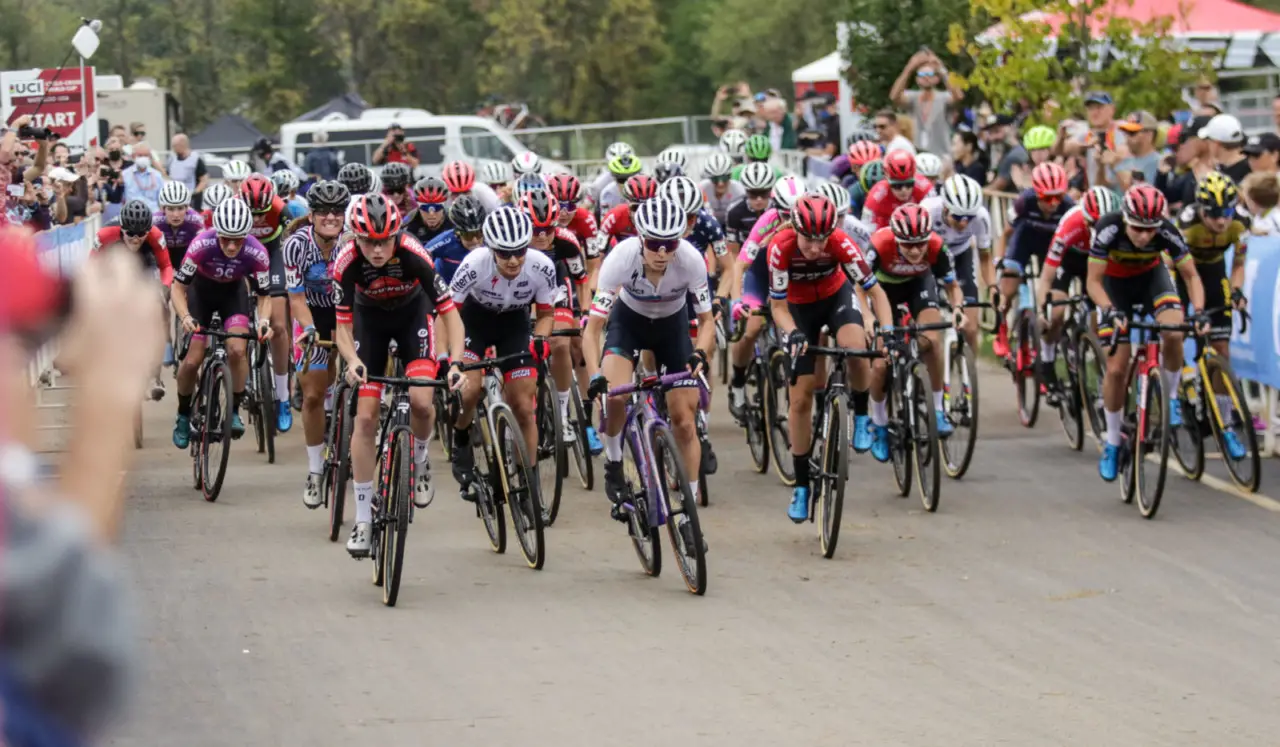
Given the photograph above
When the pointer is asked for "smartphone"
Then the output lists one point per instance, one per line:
(16, 190)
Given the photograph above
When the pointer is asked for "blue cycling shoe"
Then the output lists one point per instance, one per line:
(1235, 449)
(237, 425)
(1175, 413)
(1109, 464)
(284, 417)
(880, 442)
(182, 432)
(799, 508)
(861, 433)
(945, 428)
(594, 444)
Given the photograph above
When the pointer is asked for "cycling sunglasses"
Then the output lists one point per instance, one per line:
(902, 185)
(958, 218)
(662, 247)
(1218, 212)
(132, 235)
(329, 211)
(547, 231)
(719, 180)
(470, 235)
(569, 206)
(1050, 199)
(757, 194)
(431, 207)
(505, 254)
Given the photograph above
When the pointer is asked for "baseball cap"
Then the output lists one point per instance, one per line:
(1223, 128)
(1098, 97)
(1193, 128)
(1139, 121)
(62, 174)
(1267, 142)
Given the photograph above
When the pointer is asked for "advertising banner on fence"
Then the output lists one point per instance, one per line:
(69, 106)
(63, 249)
(1255, 355)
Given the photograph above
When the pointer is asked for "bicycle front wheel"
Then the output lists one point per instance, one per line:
(900, 439)
(267, 402)
(215, 437)
(395, 529)
(552, 464)
(1246, 470)
(683, 527)
(1069, 410)
(521, 490)
(753, 419)
(1187, 440)
(340, 455)
(444, 431)
(924, 434)
(778, 414)
(1152, 441)
(1026, 348)
(962, 405)
(580, 449)
(829, 485)
(643, 530)
(1091, 367)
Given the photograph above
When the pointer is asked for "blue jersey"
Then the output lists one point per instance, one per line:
(708, 234)
(1034, 224)
(448, 252)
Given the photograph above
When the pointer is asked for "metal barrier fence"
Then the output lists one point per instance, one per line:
(61, 250)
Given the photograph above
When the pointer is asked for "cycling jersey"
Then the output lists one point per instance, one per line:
(598, 185)
(707, 234)
(478, 280)
(610, 198)
(400, 281)
(761, 234)
(800, 280)
(417, 225)
(615, 227)
(1111, 245)
(206, 261)
(268, 224)
(892, 267)
(1071, 235)
(739, 221)
(583, 225)
(178, 238)
(566, 252)
(719, 206)
(1033, 229)
(857, 197)
(881, 202)
(207, 217)
(447, 252)
(858, 231)
(622, 275)
(152, 251)
(958, 240)
(1206, 246)
(307, 270)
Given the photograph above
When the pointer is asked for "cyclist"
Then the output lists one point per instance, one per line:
(902, 186)
(672, 154)
(871, 174)
(497, 176)
(704, 232)
(286, 184)
(429, 219)
(650, 276)
(1039, 142)
(959, 217)
(214, 195)
(1126, 273)
(811, 264)
(387, 289)
(495, 289)
(1036, 215)
(460, 178)
(268, 227)
(611, 195)
(930, 167)
(847, 167)
(358, 180)
(1068, 259)
(451, 247)
(212, 281)
(396, 179)
(178, 225)
(568, 191)
(607, 174)
(526, 163)
(309, 253)
(757, 149)
(617, 225)
(720, 190)
(667, 170)
(234, 173)
(733, 142)
(909, 260)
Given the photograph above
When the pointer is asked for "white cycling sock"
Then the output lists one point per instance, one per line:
(282, 387)
(1171, 379)
(328, 399)
(879, 412)
(364, 502)
(1048, 351)
(1114, 417)
(420, 450)
(613, 447)
(564, 404)
(315, 458)
(1225, 407)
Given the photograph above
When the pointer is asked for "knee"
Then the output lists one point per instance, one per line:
(235, 353)
(366, 424)
(312, 396)
(420, 407)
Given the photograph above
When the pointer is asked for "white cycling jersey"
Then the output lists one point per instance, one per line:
(976, 233)
(478, 279)
(622, 274)
(597, 185)
(858, 231)
(719, 206)
(610, 198)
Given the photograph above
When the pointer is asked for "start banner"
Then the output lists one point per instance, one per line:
(69, 106)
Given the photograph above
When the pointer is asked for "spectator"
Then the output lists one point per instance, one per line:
(1263, 152)
(186, 165)
(266, 160)
(928, 106)
(394, 149)
(1143, 162)
(1189, 162)
(818, 122)
(60, 154)
(778, 126)
(1205, 94)
(64, 186)
(1005, 151)
(740, 92)
(111, 171)
(1102, 145)
(321, 164)
(889, 133)
(119, 132)
(35, 207)
(138, 131)
(143, 181)
(1226, 146)
(1261, 194)
(966, 156)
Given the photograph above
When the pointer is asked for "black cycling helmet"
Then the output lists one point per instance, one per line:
(467, 214)
(395, 177)
(356, 177)
(136, 218)
(328, 194)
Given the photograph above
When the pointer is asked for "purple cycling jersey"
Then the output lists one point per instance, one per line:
(180, 237)
(206, 259)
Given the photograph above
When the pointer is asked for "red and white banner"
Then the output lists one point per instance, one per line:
(69, 106)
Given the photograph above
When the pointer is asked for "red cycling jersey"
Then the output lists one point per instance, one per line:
(409, 272)
(153, 252)
(268, 224)
(583, 225)
(881, 202)
(208, 218)
(798, 279)
(892, 267)
(1072, 233)
(615, 227)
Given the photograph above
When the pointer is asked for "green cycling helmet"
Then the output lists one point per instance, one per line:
(758, 148)
(624, 166)
(872, 174)
(1039, 138)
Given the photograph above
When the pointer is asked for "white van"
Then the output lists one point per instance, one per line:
(439, 138)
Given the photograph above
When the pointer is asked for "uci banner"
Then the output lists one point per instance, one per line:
(1255, 355)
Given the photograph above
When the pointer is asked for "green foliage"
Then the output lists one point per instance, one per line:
(1143, 67)
(762, 42)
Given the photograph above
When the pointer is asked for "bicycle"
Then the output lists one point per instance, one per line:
(960, 398)
(1078, 372)
(1024, 347)
(503, 469)
(829, 446)
(339, 423)
(1202, 398)
(913, 427)
(769, 395)
(259, 398)
(551, 442)
(754, 415)
(393, 492)
(211, 409)
(652, 469)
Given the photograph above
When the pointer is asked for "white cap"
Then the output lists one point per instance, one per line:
(61, 174)
(1223, 128)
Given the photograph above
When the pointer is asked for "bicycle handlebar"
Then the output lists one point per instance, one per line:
(488, 363)
(655, 382)
(568, 332)
(406, 381)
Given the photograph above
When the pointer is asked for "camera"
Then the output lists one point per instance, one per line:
(27, 132)
(399, 137)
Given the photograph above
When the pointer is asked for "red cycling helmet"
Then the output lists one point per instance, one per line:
(639, 188)
(431, 190)
(565, 187)
(814, 216)
(863, 152)
(459, 176)
(541, 207)
(375, 217)
(1144, 206)
(1049, 180)
(258, 191)
(911, 224)
(899, 167)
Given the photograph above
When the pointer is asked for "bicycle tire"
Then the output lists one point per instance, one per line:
(1091, 370)
(488, 487)
(900, 440)
(582, 461)
(778, 366)
(266, 404)
(253, 412)
(754, 417)
(1025, 382)
(444, 432)
(1187, 440)
(396, 531)
(963, 410)
(829, 500)
(217, 424)
(646, 540)
(1069, 410)
(551, 447)
(524, 506)
(672, 473)
(1251, 482)
(344, 411)
(1152, 438)
(925, 448)
(194, 444)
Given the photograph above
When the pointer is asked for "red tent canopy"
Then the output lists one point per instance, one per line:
(1198, 17)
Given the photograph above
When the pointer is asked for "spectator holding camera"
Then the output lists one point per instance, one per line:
(143, 181)
(394, 149)
(265, 159)
(927, 106)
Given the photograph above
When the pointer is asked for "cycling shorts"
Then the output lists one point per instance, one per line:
(324, 320)
(1023, 245)
(275, 249)
(230, 301)
(1150, 292)
(917, 294)
(412, 328)
(1074, 265)
(667, 337)
(755, 287)
(833, 312)
(967, 274)
(507, 332)
(1217, 294)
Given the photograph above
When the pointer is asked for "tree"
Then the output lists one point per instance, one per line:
(762, 42)
(1026, 62)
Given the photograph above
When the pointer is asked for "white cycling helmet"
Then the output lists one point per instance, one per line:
(236, 171)
(375, 183)
(961, 195)
(508, 229)
(175, 194)
(928, 165)
(660, 219)
(495, 172)
(285, 182)
(732, 142)
(787, 192)
(758, 176)
(233, 219)
(527, 163)
(618, 149)
(837, 194)
(684, 192)
(671, 155)
(717, 165)
(216, 194)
